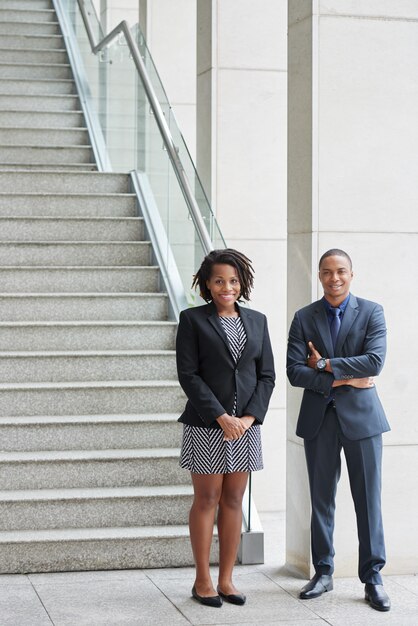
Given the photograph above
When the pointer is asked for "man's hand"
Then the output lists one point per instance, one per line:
(313, 357)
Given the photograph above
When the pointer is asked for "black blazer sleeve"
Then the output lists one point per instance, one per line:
(198, 392)
(259, 401)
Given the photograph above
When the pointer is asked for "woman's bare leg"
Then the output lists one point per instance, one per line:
(207, 492)
(229, 527)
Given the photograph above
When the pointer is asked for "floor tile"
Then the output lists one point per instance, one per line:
(20, 606)
(109, 602)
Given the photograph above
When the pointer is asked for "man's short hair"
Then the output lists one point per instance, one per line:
(335, 252)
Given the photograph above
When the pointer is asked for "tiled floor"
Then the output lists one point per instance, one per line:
(162, 597)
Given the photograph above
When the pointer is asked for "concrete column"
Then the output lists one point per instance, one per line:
(112, 12)
(352, 162)
(170, 31)
(241, 156)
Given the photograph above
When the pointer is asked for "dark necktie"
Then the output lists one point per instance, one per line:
(335, 324)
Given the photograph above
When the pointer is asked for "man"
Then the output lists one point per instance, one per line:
(336, 347)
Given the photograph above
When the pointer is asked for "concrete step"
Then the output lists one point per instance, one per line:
(30, 70)
(90, 432)
(55, 182)
(63, 167)
(66, 469)
(123, 335)
(75, 253)
(35, 41)
(90, 398)
(41, 119)
(17, 14)
(43, 136)
(72, 229)
(58, 155)
(20, 28)
(83, 306)
(97, 549)
(33, 56)
(87, 365)
(37, 87)
(66, 204)
(45, 509)
(25, 5)
(49, 103)
(67, 279)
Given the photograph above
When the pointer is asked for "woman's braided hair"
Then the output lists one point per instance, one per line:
(228, 256)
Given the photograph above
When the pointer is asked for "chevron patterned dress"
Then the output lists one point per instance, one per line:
(204, 450)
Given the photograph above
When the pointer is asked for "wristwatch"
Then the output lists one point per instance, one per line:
(321, 364)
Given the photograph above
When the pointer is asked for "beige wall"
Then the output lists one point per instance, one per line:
(352, 162)
(241, 154)
(352, 182)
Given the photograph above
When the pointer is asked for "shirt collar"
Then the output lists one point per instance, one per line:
(342, 306)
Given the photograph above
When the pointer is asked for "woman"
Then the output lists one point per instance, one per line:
(225, 366)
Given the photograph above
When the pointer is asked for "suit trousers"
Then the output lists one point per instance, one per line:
(364, 460)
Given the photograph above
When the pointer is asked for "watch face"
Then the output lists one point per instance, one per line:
(321, 365)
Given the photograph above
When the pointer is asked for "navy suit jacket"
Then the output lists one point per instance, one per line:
(360, 352)
(208, 373)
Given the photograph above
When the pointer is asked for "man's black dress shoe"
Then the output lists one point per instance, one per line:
(316, 587)
(207, 600)
(377, 597)
(233, 598)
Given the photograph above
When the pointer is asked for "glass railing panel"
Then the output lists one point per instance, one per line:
(180, 143)
(133, 137)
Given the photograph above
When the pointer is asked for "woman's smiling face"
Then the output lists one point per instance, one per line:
(224, 286)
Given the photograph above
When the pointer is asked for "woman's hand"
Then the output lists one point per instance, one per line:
(247, 420)
(233, 427)
(360, 383)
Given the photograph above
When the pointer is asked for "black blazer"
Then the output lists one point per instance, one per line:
(207, 371)
(360, 351)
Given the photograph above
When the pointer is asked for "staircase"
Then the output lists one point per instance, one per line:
(89, 474)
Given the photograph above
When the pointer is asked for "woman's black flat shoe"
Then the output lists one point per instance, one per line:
(233, 598)
(207, 600)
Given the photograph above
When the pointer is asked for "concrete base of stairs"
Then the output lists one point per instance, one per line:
(96, 549)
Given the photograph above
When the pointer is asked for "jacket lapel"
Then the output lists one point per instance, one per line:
(350, 314)
(247, 321)
(214, 320)
(322, 325)
(246, 318)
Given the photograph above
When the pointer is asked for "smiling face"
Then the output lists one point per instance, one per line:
(335, 275)
(224, 287)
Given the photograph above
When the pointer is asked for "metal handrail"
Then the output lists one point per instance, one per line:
(172, 150)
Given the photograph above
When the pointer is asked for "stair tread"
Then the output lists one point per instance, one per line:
(108, 268)
(76, 218)
(96, 493)
(119, 384)
(88, 419)
(83, 242)
(86, 534)
(44, 128)
(36, 80)
(88, 455)
(29, 50)
(84, 294)
(82, 353)
(80, 194)
(31, 64)
(87, 323)
(62, 146)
